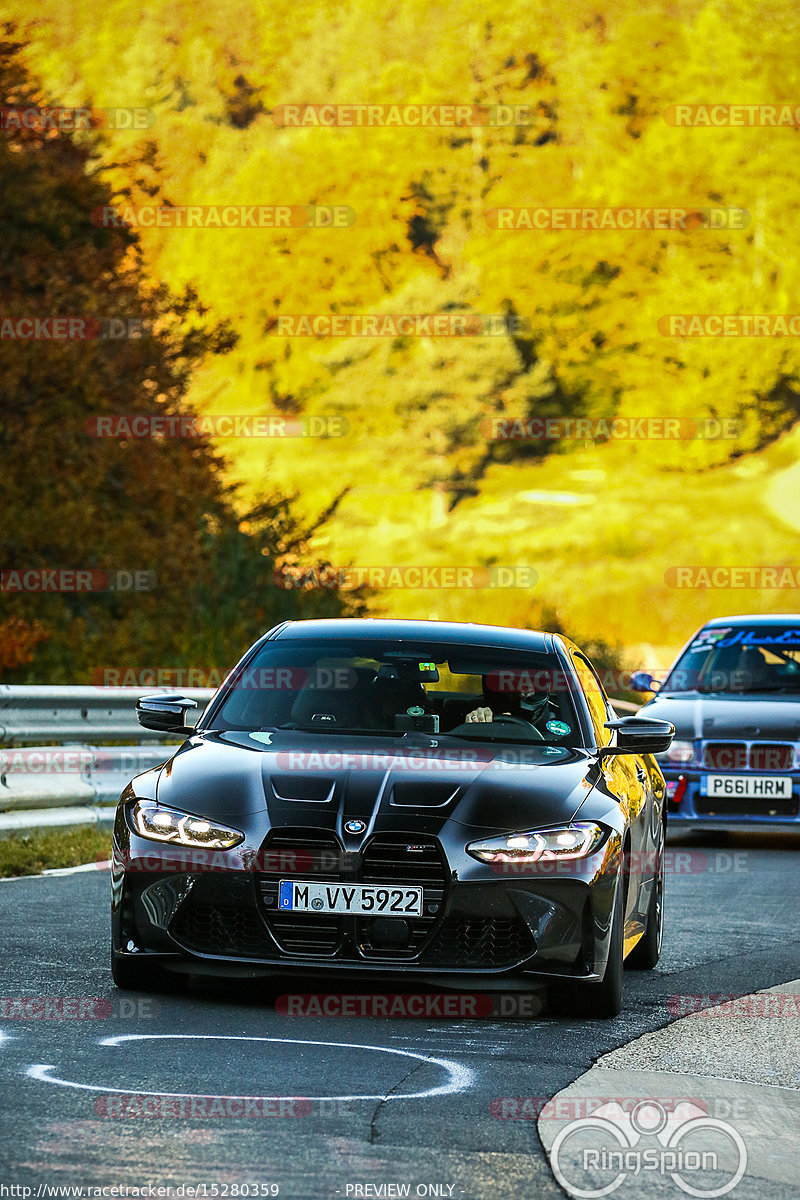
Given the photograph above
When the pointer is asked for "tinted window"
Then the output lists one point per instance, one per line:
(398, 688)
(739, 659)
(595, 698)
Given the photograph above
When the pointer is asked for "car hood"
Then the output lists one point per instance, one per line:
(738, 716)
(325, 781)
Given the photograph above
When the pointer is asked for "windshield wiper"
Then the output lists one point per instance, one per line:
(782, 687)
(746, 691)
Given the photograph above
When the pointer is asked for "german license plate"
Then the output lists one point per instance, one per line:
(357, 899)
(763, 787)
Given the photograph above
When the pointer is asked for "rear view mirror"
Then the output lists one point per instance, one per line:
(640, 735)
(166, 713)
(641, 681)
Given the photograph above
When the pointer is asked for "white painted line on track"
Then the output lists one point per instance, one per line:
(460, 1078)
(49, 872)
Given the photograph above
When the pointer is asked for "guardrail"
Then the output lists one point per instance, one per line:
(67, 776)
(50, 715)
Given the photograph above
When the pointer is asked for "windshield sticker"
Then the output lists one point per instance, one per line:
(266, 738)
(766, 637)
(707, 637)
(559, 728)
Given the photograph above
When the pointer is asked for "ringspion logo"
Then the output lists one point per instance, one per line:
(593, 1156)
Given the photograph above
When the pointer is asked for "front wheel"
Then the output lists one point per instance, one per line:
(647, 951)
(604, 999)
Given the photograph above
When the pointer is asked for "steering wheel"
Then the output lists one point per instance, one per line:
(468, 726)
(508, 720)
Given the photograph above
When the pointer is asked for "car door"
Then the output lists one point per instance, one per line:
(628, 779)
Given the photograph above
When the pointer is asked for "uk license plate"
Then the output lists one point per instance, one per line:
(357, 899)
(763, 787)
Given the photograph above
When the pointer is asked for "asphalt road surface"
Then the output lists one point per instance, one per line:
(388, 1104)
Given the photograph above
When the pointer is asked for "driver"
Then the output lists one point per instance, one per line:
(529, 706)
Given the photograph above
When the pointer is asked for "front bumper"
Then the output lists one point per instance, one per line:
(485, 926)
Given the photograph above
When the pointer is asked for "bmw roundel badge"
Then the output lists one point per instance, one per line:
(355, 826)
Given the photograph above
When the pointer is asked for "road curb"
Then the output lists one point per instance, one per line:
(737, 1063)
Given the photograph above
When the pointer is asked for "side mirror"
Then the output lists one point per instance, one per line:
(166, 713)
(640, 735)
(642, 682)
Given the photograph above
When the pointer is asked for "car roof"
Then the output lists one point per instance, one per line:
(756, 619)
(445, 632)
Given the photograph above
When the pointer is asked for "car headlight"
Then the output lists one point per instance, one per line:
(679, 752)
(541, 845)
(159, 824)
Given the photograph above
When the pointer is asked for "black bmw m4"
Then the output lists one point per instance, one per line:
(397, 801)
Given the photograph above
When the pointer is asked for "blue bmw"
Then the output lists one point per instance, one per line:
(733, 695)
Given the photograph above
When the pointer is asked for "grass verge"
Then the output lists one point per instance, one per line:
(32, 853)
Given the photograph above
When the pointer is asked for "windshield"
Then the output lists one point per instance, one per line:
(398, 689)
(763, 658)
